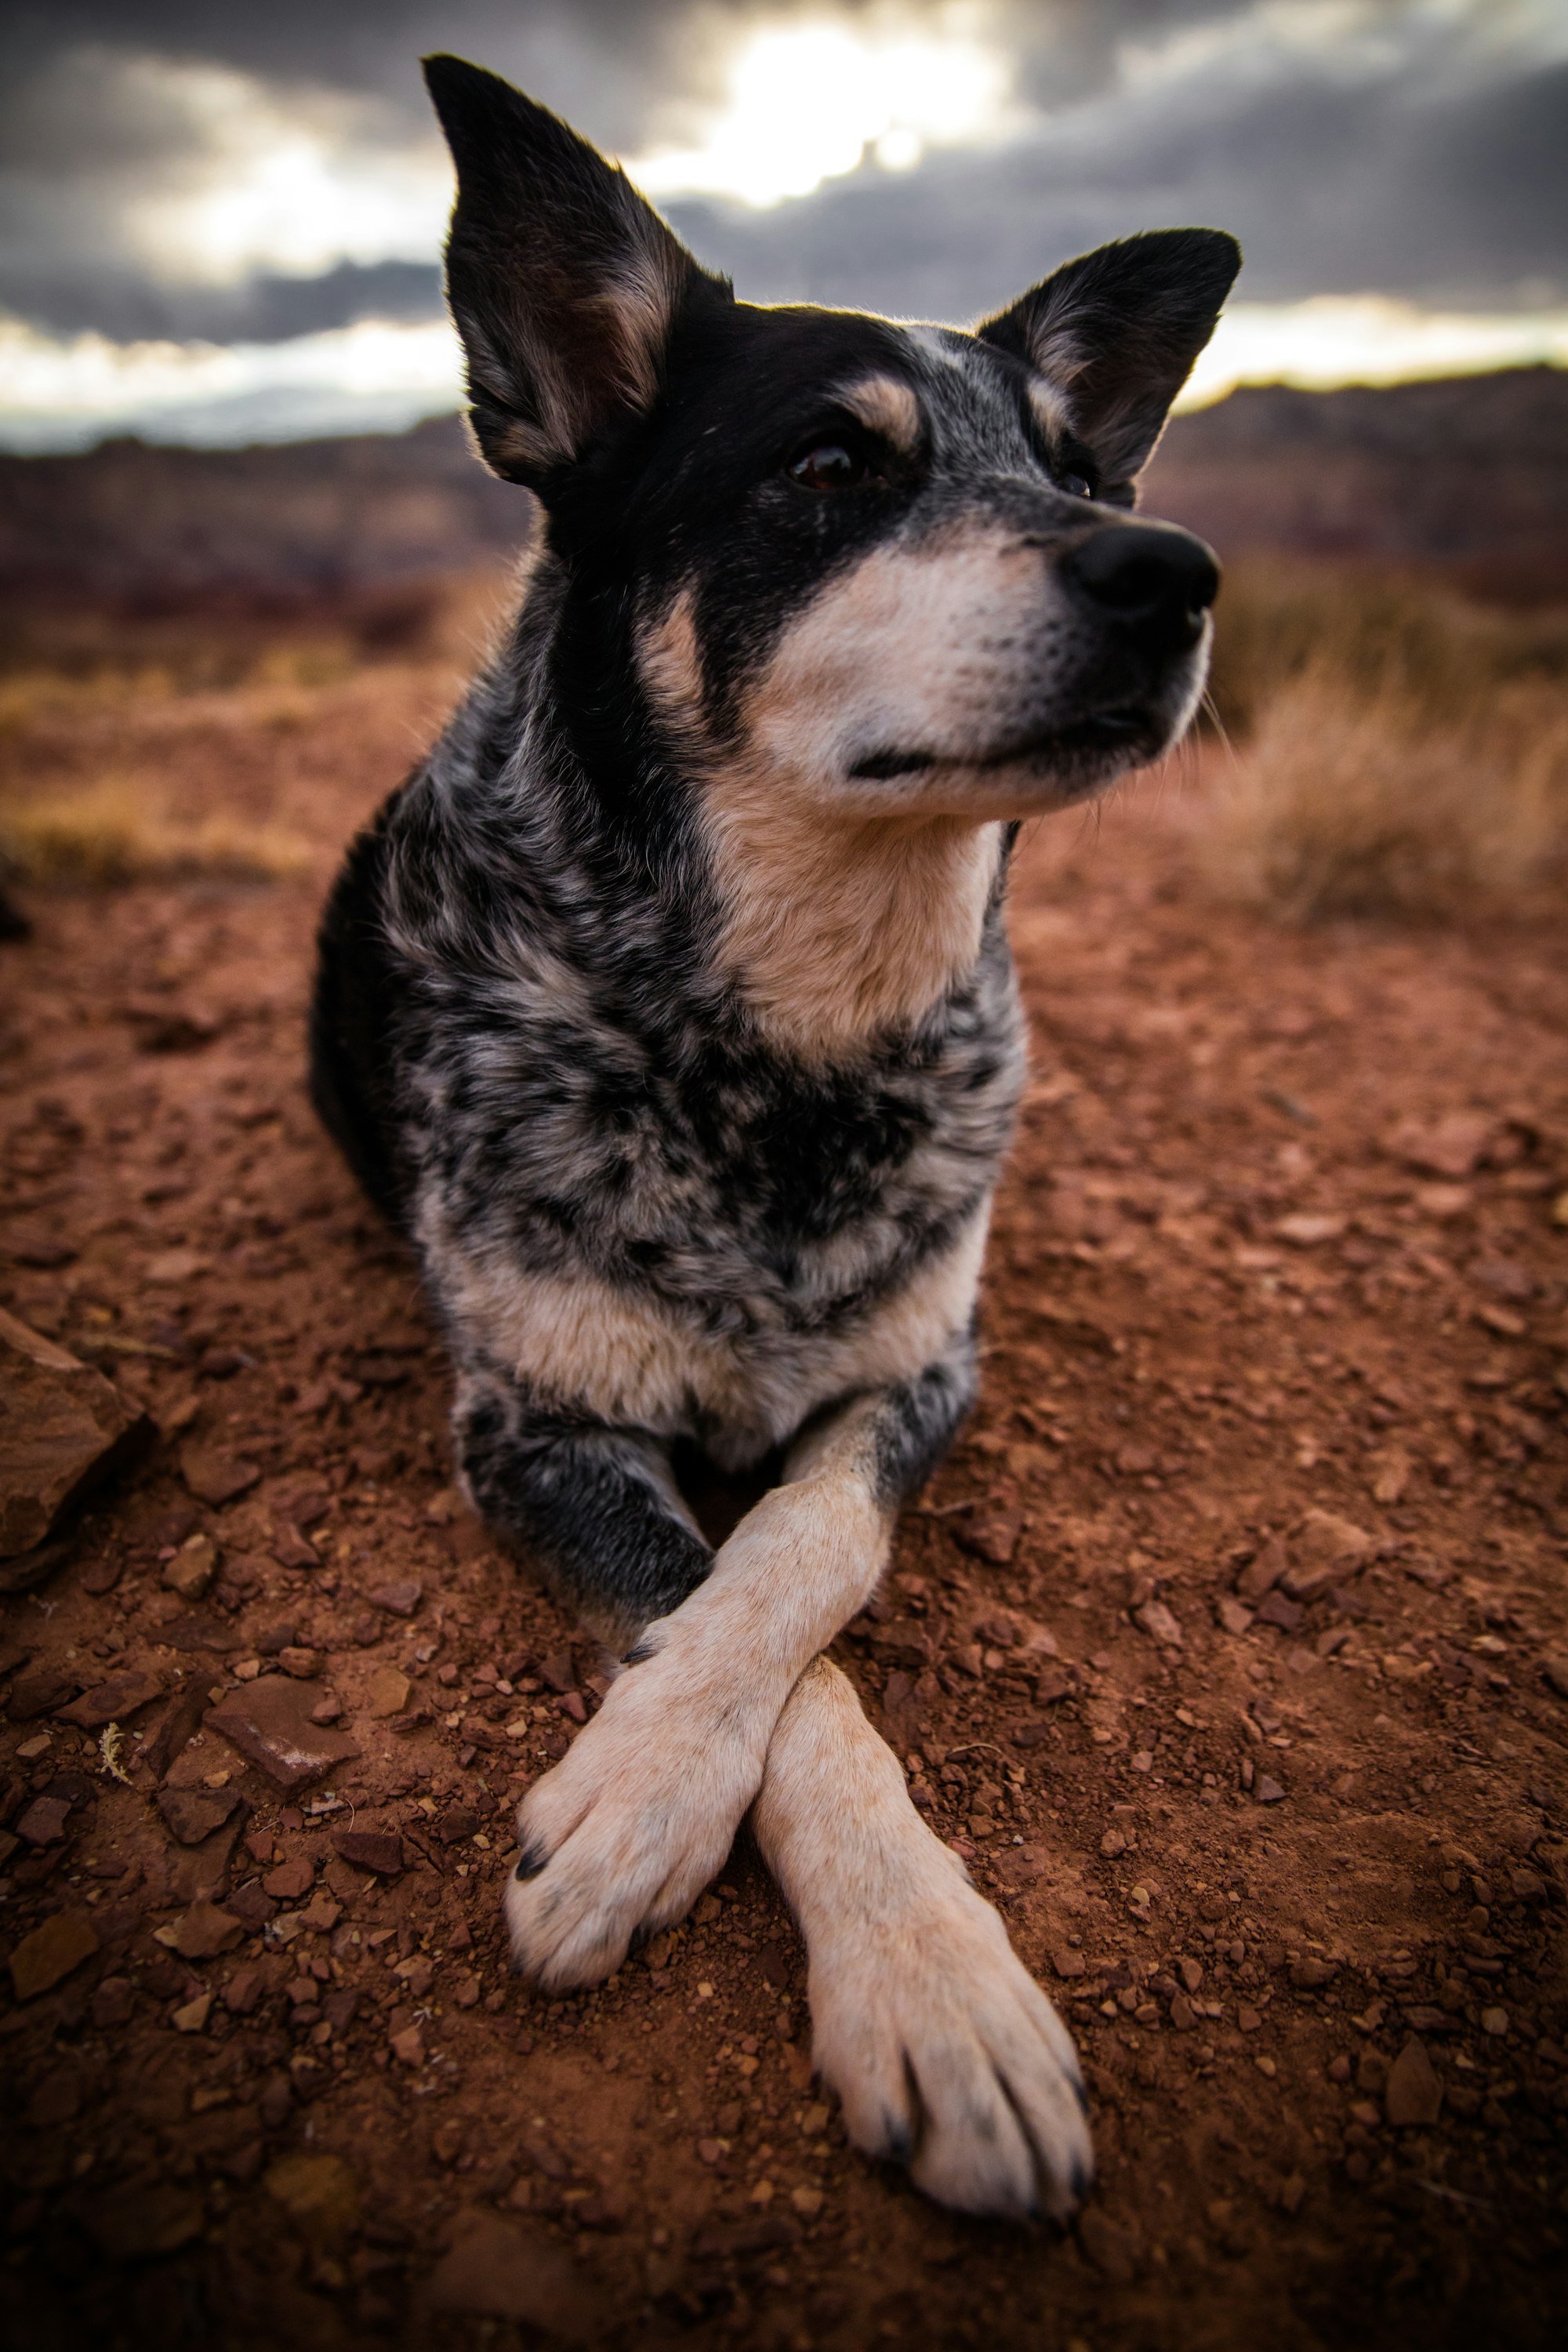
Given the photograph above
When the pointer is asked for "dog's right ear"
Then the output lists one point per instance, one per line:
(564, 283)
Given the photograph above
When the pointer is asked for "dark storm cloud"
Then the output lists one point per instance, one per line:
(1411, 157)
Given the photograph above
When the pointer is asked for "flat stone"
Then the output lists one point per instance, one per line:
(269, 1722)
(1267, 1792)
(1324, 1548)
(387, 1692)
(399, 1599)
(114, 1701)
(66, 1431)
(216, 1475)
(1233, 1615)
(1413, 2095)
(291, 1880)
(380, 1851)
(44, 1820)
(500, 2271)
(457, 1822)
(47, 1956)
(205, 1931)
(1155, 1620)
(196, 1630)
(1069, 1964)
(193, 1814)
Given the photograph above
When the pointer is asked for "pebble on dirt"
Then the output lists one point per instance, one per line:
(42, 1960)
(269, 1722)
(1413, 2095)
(68, 1430)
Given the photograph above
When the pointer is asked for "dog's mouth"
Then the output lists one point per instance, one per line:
(1122, 728)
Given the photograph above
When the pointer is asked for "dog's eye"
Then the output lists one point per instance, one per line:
(1077, 486)
(829, 467)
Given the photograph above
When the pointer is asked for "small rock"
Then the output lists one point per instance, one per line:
(193, 1814)
(1309, 1232)
(303, 1664)
(216, 1475)
(318, 2193)
(409, 2047)
(290, 1549)
(495, 2268)
(1191, 1975)
(1267, 1792)
(1275, 1609)
(193, 1568)
(115, 1701)
(44, 1821)
(205, 1931)
(113, 2004)
(1414, 2094)
(1324, 1548)
(387, 1690)
(1310, 1974)
(1451, 1147)
(1113, 1842)
(192, 2017)
(328, 1708)
(249, 1904)
(1233, 1615)
(1183, 2016)
(399, 1599)
(42, 1960)
(269, 1722)
(291, 1880)
(1494, 2020)
(1070, 1964)
(457, 1822)
(68, 1430)
(380, 1851)
(1155, 1620)
(1263, 1571)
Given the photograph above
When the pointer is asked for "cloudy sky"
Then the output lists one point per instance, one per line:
(220, 219)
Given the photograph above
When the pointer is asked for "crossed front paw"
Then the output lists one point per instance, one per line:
(949, 2058)
(620, 1839)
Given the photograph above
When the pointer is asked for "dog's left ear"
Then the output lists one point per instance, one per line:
(564, 283)
(1117, 331)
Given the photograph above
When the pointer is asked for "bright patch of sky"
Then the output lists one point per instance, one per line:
(69, 393)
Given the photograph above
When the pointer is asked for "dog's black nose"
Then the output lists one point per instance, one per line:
(1148, 578)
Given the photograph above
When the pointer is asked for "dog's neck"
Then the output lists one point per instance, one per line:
(836, 932)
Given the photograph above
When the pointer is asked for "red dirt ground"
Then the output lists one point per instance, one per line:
(1243, 1271)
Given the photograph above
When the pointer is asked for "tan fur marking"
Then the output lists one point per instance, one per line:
(1051, 410)
(887, 406)
(628, 1361)
(839, 928)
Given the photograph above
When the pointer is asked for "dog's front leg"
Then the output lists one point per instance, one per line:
(946, 2054)
(623, 1835)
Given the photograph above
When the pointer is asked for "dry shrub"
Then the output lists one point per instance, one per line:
(115, 833)
(1350, 803)
(1395, 752)
(1375, 632)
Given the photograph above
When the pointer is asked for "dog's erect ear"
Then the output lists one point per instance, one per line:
(1117, 332)
(563, 281)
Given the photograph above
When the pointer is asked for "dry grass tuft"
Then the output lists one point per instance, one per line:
(1400, 754)
(114, 834)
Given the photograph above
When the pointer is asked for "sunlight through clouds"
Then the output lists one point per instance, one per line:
(809, 102)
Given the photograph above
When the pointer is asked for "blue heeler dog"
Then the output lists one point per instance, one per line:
(667, 1009)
